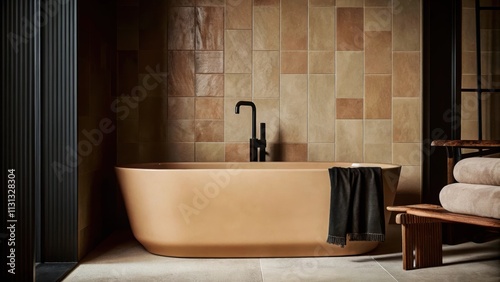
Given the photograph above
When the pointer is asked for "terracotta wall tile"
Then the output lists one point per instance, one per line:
(180, 79)
(209, 131)
(209, 108)
(349, 108)
(321, 28)
(237, 127)
(407, 77)
(209, 85)
(266, 30)
(238, 85)
(180, 108)
(238, 14)
(349, 141)
(266, 74)
(181, 23)
(407, 125)
(321, 62)
(321, 152)
(294, 152)
(294, 25)
(350, 74)
(293, 62)
(321, 113)
(378, 19)
(293, 108)
(322, 3)
(210, 28)
(378, 96)
(350, 29)
(209, 152)
(406, 25)
(237, 152)
(378, 53)
(238, 51)
(209, 61)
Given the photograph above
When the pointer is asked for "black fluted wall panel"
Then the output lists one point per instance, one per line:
(59, 119)
(19, 131)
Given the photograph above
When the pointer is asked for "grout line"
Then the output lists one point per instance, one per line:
(261, 271)
(384, 269)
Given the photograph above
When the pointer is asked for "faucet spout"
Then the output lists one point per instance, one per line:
(254, 114)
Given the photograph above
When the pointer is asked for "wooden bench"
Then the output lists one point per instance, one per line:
(422, 233)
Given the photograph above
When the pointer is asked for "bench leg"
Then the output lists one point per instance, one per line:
(422, 241)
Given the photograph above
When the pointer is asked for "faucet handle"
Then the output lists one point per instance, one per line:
(263, 132)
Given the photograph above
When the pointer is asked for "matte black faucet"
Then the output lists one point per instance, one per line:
(256, 145)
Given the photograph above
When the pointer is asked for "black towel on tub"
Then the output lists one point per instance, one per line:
(356, 205)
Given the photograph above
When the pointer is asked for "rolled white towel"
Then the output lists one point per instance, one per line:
(478, 171)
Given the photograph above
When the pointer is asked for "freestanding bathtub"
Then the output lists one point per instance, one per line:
(272, 209)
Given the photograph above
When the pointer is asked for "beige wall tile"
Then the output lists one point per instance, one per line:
(153, 152)
(181, 26)
(469, 65)
(180, 130)
(238, 51)
(209, 61)
(127, 131)
(180, 77)
(237, 127)
(321, 113)
(407, 119)
(182, 3)
(268, 111)
(469, 106)
(321, 28)
(490, 63)
(468, 30)
(294, 152)
(378, 19)
(209, 131)
(238, 85)
(180, 152)
(377, 3)
(322, 3)
(237, 152)
(209, 85)
(378, 53)
(406, 77)
(294, 25)
(406, 25)
(349, 141)
(349, 3)
(210, 2)
(489, 39)
(150, 118)
(238, 14)
(468, 130)
(127, 153)
(321, 152)
(409, 186)
(266, 32)
(350, 29)
(209, 152)
(293, 62)
(293, 108)
(407, 153)
(180, 108)
(378, 131)
(348, 108)
(209, 28)
(378, 153)
(378, 96)
(350, 74)
(127, 62)
(266, 2)
(266, 74)
(321, 62)
(209, 108)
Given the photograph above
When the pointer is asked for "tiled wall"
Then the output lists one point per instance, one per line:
(490, 69)
(333, 81)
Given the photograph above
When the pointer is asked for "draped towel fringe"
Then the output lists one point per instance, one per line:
(341, 241)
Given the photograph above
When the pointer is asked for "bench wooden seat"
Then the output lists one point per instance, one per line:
(422, 232)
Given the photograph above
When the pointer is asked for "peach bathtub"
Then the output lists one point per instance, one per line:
(273, 209)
